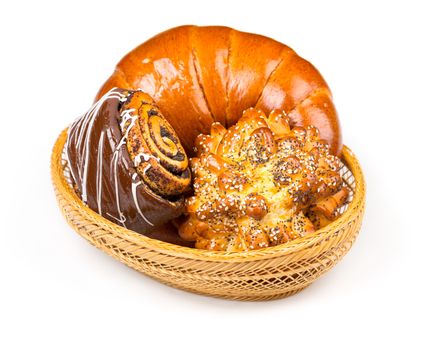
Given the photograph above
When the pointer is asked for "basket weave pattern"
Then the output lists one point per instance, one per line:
(264, 274)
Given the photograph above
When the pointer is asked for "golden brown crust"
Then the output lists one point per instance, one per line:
(326, 210)
(252, 61)
(164, 68)
(212, 45)
(198, 75)
(255, 181)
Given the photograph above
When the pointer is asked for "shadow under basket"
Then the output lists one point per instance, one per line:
(263, 274)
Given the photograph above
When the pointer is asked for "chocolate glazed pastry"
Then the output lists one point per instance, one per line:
(128, 165)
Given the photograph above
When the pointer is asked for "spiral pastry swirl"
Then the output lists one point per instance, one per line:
(127, 164)
(154, 147)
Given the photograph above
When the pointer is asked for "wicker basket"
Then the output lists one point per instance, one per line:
(264, 274)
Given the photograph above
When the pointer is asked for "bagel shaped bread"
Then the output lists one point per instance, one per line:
(127, 164)
(198, 75)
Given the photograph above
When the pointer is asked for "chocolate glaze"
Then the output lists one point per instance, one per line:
(106, 179)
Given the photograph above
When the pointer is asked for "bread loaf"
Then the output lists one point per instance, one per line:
(198, 75)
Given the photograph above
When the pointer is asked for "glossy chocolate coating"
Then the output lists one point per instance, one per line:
(198, 75)
(106, 178)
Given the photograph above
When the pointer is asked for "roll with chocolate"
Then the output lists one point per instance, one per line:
(128, 165)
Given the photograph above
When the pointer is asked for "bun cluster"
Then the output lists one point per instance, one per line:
(260, 183)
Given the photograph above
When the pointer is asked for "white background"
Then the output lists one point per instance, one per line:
(59, 292)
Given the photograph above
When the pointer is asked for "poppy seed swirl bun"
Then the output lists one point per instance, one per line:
(128, 164)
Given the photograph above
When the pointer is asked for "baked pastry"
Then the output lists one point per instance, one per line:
(259, 183)
(128, 164)
(199, 75)
(327, 209)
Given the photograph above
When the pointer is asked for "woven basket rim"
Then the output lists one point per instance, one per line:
(294, 246)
